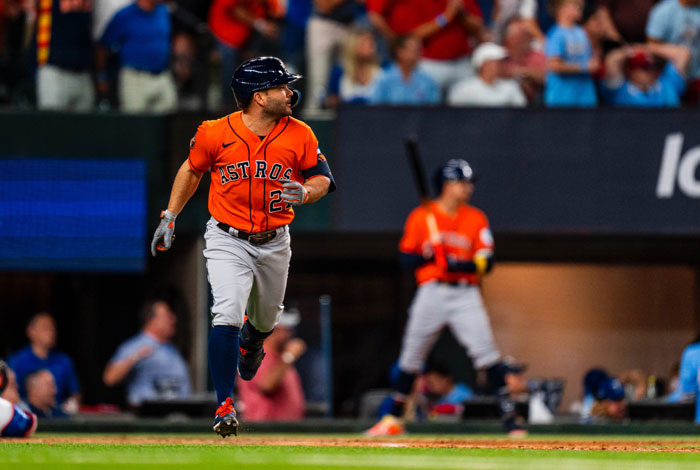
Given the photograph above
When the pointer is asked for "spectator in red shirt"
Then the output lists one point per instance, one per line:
(232, 22)
(449, 30)
(275, 393)
(524, 63)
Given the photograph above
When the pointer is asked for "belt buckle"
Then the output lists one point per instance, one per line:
(261, 238)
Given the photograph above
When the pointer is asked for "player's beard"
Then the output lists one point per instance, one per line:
(277, 109)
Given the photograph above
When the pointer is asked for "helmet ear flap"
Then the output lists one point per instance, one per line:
(296, 96)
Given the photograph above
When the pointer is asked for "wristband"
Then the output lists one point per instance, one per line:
(288, 358)
(441, 20)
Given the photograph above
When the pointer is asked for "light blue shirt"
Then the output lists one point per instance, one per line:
(391, 88)
(572, 46)
(665, 92)
(160, 376)
(672, 22)
(689, 376)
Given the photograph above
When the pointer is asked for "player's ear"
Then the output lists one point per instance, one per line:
(259, 97)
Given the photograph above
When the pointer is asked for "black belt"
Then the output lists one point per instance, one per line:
(259, 238)
(457, 283)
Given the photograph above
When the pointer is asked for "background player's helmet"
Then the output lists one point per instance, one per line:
(601, 386)
(454, 170)
(260, 74)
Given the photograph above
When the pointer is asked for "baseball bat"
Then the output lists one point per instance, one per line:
(421, 180)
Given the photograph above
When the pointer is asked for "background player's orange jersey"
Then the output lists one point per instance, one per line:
(245, 191)
(462, 235)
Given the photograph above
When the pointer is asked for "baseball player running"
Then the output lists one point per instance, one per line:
(263, 162)
(448, 291)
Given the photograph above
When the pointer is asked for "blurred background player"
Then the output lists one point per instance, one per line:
(151, 365)
(449, 295)
(605, 396)
(14, 420)
(40, 354)
(275, 393)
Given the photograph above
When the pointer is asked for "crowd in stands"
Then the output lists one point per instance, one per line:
(156, 56)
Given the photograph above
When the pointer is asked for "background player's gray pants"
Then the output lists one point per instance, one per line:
(436, 305)
(244, 276)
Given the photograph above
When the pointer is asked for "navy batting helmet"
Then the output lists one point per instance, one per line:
(260, 74)
(454, 170)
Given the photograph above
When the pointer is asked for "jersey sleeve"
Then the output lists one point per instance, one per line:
(314, 163)
(414, 233)
(483, 239)
(200, 158)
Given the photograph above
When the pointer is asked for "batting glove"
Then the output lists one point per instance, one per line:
(294, 193)
(165, 233)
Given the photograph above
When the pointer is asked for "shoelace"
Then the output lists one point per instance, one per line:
(225, 408)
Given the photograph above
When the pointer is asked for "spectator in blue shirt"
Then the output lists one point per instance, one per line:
(635, 77)
(404, 82)
(678, 22)
(40, 355)
(570, 59)
(140, 34)
(151, 365)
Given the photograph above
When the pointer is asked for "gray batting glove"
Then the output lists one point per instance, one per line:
(165, 233)
(293, 192)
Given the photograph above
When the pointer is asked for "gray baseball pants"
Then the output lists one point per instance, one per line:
(437, 305)
(245, 277)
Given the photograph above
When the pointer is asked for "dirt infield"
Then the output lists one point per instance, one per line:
(398, 442)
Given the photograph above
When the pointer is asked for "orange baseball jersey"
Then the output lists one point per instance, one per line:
(463, 235)
(245, 191)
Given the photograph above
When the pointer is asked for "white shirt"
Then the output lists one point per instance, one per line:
(475, 92)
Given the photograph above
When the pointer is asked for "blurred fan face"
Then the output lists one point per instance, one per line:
(642, 77)
(42, 331)
(571, 10)
(438, 384)
(164, 320)
(366, 48)
(410, 53)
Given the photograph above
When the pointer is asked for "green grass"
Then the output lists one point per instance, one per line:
(59, 456)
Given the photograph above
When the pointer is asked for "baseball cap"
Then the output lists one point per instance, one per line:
(641, 60)
(601, 386)
(487, 51)
(289, 318)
